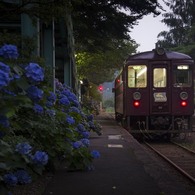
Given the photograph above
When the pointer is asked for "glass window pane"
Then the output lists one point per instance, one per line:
(159, 77)
(137, 76)
(182, 76)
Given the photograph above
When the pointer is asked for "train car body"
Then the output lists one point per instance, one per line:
(154, 93)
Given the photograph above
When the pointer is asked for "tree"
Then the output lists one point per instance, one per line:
(101, 31)
(97, 23)
(108, 103)
(181, 21)
(100, 66)
(42, 9)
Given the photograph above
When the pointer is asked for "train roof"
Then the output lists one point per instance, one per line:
(155, 53)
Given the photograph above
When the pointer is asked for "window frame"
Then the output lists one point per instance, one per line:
(132, 77)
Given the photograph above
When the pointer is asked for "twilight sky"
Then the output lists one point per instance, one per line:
(145, 33)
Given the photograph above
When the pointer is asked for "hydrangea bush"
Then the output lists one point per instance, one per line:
(39, 128)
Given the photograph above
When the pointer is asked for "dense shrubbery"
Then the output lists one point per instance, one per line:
(37, 126)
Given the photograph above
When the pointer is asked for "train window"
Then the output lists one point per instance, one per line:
(137, 76)
(182, 76)
(159, 77)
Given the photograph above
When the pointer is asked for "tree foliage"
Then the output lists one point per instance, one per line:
(45, 10)
(97, 23)
(181, 23)
(100, 66)
(102, 34)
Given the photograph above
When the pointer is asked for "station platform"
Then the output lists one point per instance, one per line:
(124, 168)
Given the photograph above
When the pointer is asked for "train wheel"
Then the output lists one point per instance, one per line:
(123, 123)
(182, 136)
(167, 137)
(117, 117)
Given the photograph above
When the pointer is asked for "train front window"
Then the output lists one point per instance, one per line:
(137, 76)
(159, 77)
(182, 76)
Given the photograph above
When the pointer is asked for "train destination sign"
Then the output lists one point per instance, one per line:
(160, 97)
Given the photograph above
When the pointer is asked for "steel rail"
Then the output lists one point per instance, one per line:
(185, 148)
(192, 179)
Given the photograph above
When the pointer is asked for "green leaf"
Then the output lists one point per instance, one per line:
(3, 190)
(7, 111)
(38, 170)
(22, 83)
(3, 166)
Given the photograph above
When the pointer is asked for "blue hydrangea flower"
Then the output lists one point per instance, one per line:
(51, 97)
(85, 142)
(38, 109)
(4, 75)
(66, 87)
(51, 113)
(34, 72)
(23, 177)
(40, 158)
(95, 154)
(8, 92)
(85, 134)
(4, 121)
(91, 124)
(5, 68)
(58, 84)
(81, 127)
(76, 103)
(49, 104)
(74, 109)
(64, 101)
(66, 92)
(4, 79)
(34, 93)
(77, 144)
(9, 51)
(10, 179)
(72, 97)
(83, 115)
(16, 76)
(70, 120)
(23, 148)
(2, 134)
(90, 117)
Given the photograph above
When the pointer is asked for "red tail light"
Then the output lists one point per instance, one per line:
(183, 103)
(136, 103)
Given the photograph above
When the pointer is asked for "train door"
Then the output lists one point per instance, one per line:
(160, 89)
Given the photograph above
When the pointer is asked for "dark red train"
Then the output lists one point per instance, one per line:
(154, 93)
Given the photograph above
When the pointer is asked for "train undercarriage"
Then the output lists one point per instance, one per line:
(156, 126)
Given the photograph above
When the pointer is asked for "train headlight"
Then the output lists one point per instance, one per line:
(136, 95)
(136, 103)
(183, 95)
(183, 103)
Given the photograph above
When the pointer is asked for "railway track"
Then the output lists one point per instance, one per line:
(179, 157)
